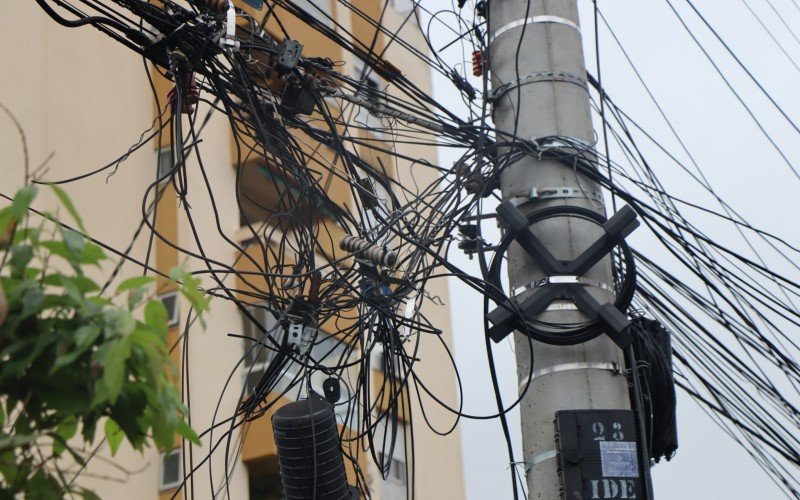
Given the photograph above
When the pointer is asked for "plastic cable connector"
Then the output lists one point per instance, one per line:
(229, 41)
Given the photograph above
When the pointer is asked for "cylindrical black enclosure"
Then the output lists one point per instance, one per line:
(309, 451)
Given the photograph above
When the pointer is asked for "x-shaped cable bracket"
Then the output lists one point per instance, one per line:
(564, 281)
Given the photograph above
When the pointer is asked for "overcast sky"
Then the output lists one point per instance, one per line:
(732, 154)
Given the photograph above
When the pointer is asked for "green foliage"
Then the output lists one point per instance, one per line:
(71, 358)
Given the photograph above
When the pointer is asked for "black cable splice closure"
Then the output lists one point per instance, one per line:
(463, 85)
(605, 318)
(652, 348)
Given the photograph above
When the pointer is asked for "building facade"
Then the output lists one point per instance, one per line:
(82, 101)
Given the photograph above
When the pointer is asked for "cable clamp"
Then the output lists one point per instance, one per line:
(300, 336)
(534, 20)
(550, 192)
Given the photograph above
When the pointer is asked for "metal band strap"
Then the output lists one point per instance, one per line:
(561, 280)
(540, 76)
(545, 193)
(541, 457)
(561, 305)
(534, 20)
(579, 365)
(561, 142)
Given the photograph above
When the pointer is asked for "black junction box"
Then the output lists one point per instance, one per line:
(597, 455)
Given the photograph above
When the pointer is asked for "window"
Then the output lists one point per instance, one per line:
(369, 89)
(327, 350)
(171, 303)
(165, 163)
(264, 480)
(170, 475)
(265, 192)
(258, 356)
(395, 485)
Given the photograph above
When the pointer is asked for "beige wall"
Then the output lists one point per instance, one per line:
(85, 98)
(72, 92)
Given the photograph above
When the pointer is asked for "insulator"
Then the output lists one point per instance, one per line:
(477, 63)
(309, 451)
(380, 256)
(190, 93)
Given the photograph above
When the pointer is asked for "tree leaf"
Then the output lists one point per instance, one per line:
(71, 289)
(10, 442)
(163, 432)
(135, 282)
(156, 317)
(8, 465)
(88, 494)
(84, 285)
(187, 432)
(67, 202)
(43, 486)
(32, 302)
(191, 290)
(135, 297)
(68, 428)
(74, 241)
(85, 336)
(117, 353)
(90, 254)
(114, 435)
(151, 348)
(6, 220)
(21, 256)
(118, 322)
(22, 201)
(60, 249)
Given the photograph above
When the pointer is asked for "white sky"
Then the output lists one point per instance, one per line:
(731, 153)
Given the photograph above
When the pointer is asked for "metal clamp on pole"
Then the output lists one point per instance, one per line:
(552, 192)
(540, 76)
(614, 368)
(533, 20)
(541, 457)
(553, 280)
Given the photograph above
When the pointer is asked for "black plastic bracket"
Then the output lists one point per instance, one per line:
(504, 318)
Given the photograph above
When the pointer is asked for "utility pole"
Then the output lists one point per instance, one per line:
(538, 72)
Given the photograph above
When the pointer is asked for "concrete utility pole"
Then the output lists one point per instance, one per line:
(536, 60)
